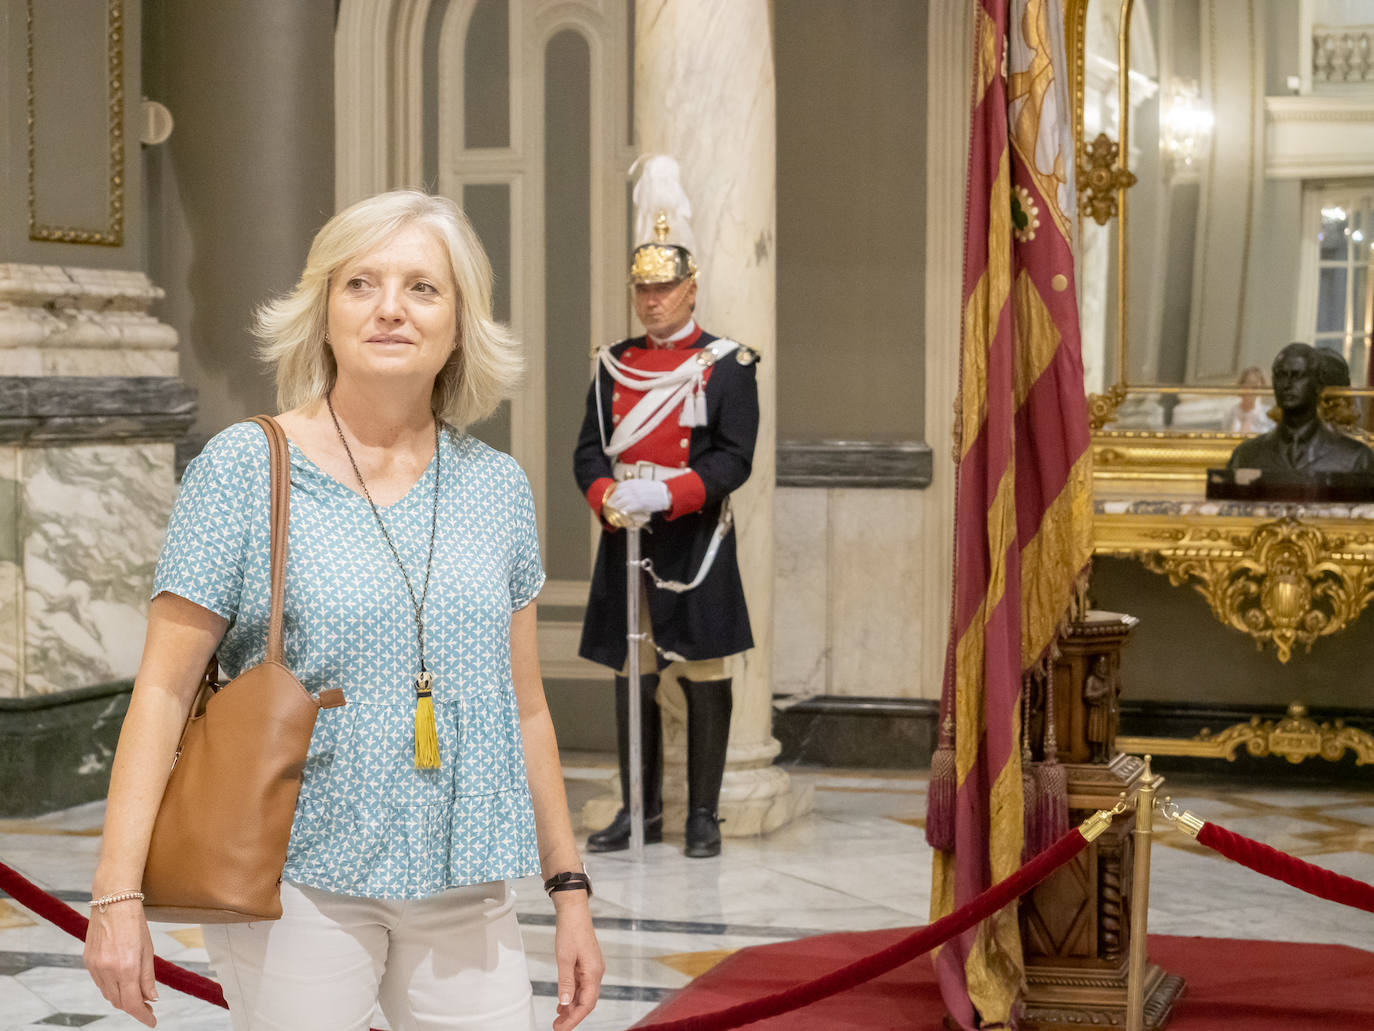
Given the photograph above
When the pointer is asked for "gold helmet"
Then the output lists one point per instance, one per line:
(661, 261)
(662, 224)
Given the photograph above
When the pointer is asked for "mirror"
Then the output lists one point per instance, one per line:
(1239, 214)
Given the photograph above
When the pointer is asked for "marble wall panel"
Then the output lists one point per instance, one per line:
(801, 640)
(875, 581)
(9, 572)
(91, 524)
(49, 361)
(847, 605)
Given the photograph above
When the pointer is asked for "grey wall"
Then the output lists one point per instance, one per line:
(851, 218)
(1282, 35)
(237, 193)
(1275, 268)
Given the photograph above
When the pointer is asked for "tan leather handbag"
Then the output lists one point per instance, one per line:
(219, 843)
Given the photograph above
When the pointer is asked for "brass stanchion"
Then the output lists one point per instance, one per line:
(1140, 899)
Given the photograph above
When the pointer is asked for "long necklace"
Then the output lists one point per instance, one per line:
(426, 734)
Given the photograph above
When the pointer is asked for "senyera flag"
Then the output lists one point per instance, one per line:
(1023, 508)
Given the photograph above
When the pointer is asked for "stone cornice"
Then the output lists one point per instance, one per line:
(1311, 137)
(854, 463)
(54, 308)
(68, 409)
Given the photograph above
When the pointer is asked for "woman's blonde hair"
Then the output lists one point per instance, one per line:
(487, 362)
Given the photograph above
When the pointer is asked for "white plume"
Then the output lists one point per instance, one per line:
(660, 189)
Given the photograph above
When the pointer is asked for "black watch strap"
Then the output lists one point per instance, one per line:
(570, 880)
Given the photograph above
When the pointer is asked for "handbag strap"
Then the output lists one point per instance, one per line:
(280, 459)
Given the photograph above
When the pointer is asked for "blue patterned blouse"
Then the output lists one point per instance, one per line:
(368, 822)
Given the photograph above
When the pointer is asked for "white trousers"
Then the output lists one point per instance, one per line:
(453, 961)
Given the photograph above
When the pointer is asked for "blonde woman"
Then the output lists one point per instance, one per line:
(412, 547)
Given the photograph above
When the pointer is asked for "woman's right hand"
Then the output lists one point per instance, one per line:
(119, 956)
(119, 948)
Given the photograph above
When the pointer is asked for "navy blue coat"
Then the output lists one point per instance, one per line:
(712, 620)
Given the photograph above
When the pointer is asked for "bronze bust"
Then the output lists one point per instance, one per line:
(1303, 447)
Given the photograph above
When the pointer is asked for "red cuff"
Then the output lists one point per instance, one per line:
(688, 494)
(595, 493)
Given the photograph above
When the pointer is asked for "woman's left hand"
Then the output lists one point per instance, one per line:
(580, 965)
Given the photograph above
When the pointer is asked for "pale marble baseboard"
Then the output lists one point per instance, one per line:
(847, 612)
(90, 520)
(11, 605)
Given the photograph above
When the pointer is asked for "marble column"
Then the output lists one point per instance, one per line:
(947, 75)
(90, 405)
(704, 93)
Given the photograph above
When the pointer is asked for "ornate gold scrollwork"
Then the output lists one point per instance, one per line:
(1295, 737)
(1169, 535)
(1100, 178)
(1102, 407)
(1286, 585)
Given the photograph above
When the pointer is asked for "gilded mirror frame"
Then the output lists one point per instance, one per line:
(1104, 177)
(1327, 563)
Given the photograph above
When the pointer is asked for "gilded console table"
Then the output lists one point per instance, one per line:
(1284, 573)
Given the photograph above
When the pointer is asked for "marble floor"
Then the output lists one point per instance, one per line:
(859, 861)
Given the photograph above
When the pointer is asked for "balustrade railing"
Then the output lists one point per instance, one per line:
(1342, 54)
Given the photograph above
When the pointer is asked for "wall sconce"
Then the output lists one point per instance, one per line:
(1185, 126)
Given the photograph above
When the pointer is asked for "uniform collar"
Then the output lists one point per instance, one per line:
(683, 338)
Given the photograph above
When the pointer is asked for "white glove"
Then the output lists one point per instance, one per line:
(641, 497)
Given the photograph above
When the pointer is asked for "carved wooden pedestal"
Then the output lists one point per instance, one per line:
(1076, 926)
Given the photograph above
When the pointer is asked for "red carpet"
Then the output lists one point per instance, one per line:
(1255, 985)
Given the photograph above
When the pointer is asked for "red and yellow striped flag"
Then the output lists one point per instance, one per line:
(1023, 510)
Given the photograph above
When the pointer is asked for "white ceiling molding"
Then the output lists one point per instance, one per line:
(1319, 137)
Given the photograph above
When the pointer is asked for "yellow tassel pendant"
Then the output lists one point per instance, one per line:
(426, 736)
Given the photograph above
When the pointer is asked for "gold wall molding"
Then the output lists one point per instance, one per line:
(1296, 737)
(112, 233)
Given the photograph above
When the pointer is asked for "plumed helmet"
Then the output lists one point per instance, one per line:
(663, 226)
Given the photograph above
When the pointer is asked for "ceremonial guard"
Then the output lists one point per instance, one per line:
(668, 435)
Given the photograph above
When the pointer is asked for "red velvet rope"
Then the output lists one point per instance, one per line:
(56, 912)
(913, 945)
(1313, 879)
(919, 942)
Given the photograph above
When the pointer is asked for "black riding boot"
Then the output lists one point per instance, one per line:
(708, 733)
(616, 837)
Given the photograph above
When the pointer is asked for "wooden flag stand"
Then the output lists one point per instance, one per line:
(1076, 926)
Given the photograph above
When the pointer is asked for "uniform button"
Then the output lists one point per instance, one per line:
(615, 418)
(683, 441)
(682, 465)
(615, 395)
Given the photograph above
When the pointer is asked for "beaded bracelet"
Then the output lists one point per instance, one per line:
(119, 896)
(571, 880)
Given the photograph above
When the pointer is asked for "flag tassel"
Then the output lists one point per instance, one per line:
(941, 792)
(1051, 779)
